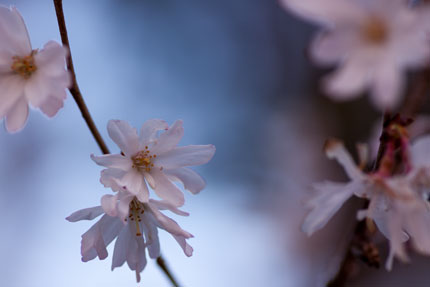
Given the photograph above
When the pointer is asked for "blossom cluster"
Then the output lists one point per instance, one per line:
(150, 158)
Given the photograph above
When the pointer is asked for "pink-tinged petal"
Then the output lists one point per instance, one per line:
(191, 180)
(85, 214)
(387, 86)
(135, 183)
(335, 149)
(149, 131)
(349, 80)
(52, 105)
(328, 199)
(396, 241)
(51, 60)
(331, 47)
(120, 249)
(113, 161)
(186, 156)
(188, 250)
(110, 178)
(325, 12)
(124, 204)
(165, 205)
(136, 258)
(13, 32)
(109, 204)
(150, 179)
(100, 235)
(124, 136)
(6, 61)
(420, 152)
(165, 189)
(169, 139)
(151, 235)
(12, 90)
(167, 223)
(17, 116)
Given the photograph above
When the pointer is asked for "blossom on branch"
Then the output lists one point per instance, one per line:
(372, 41)
(397, 203)
(28, 76)
(154, 158)
(134, 224)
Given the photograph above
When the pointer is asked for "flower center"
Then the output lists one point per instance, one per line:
(375, 31)
(135, 210)
(24, 66)
(143, 160)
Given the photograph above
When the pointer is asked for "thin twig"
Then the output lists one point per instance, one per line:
(76, 93)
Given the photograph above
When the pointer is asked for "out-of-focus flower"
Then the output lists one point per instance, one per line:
(398, 203)
(153, 157)
(373, 40)
(27, 76)
(136, 226)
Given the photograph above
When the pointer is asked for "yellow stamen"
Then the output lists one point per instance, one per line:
(24, 66)
(375, 31)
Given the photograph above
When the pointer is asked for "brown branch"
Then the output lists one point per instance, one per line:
(76, 93)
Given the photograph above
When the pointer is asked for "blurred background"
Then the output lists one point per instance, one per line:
(237, 73)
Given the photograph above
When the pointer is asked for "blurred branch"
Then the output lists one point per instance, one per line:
(76, 93)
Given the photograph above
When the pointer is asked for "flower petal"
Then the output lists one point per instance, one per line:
(120, 249)
(136, 258)
(169, 139)
(191, 180)
(335, 149)
(167, 223)
(12, 90)
(165, 189)
(135, 183)
(149, 131)
(13, 32)
(124, 204)
(387, 85)
(113, 161)
(151, 235)
(17, 116)
(51, 60)
(124, 136)
(109, 204)
(163, 205)
(110, 178)
(188, 250)
(420, 152)
(185, 156)
(85, 214)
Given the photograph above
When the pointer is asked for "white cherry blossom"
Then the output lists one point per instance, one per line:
(134, 224)
(398, 204)
(27, 75)
(373, 41)
(153, 158)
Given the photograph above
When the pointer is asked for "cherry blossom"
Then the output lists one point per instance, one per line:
(398, 203)
(373, 41)
(27, 75)
(153, 158)
(134, 225)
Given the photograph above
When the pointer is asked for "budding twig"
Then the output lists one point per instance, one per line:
(76, 93)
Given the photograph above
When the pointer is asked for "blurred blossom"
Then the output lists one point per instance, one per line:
(398, 203)
(372, 41)
(153, 158)
(28, 76)
(125, 217)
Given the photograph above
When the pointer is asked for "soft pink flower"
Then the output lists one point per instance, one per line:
(153, 158)
(398, 204)
(134, 224)
(373, 41)
(27, 76)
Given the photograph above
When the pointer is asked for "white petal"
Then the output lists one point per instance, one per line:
(124, 136)
(13, 32)
(51, 60)
(85, 214)
(165, 205)
(135, 183)
(165, 189)
(17, 116)
(335, 149)
(109, 204)
(136, 258)
(151, 235)
(149, 131)
(191, 180)
(329, 198)
(167, 223)
(349, 80)
(388, 84)
(120, 249)
(113, 161)
(124, 204)
(12, 90)
(186, 156)
(110, 178)
(188, 250)
(169, 139)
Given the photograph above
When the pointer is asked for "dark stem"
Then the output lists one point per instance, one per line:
(76, 93)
